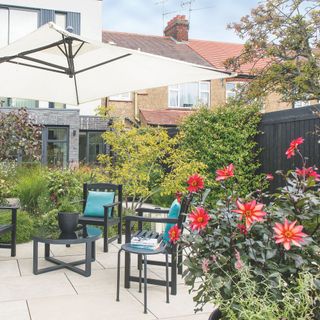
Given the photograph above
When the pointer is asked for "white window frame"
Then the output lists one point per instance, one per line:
(177, 88)
(61, 14)
(237, 83)
(126, 96)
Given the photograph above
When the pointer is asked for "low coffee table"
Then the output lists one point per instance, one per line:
(86, 235)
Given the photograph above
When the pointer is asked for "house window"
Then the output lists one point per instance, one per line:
(188, 95)
(55, 146)
(121, 97)
(61, 19)
(91, 145)
(56, 105)
(300, 104)
(4, 27)
(233, 88)
(18, 103)
(15, 23)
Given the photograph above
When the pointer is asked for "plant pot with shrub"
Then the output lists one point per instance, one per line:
(68, 222)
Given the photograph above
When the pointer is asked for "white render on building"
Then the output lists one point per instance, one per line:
(20, 17)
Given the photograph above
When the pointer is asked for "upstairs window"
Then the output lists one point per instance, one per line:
(16, 23)
(188, 95)
(61, 20)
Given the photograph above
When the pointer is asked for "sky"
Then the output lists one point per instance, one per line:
(209, 18)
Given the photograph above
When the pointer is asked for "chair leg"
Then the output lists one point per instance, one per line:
(140, 270)
(180, 261)
(14, 233)
(167, 278)
(127, 267)
(174, 272)
(118, 275)
(120, 232)
(145, 283)
(13, 241)
(105, 237)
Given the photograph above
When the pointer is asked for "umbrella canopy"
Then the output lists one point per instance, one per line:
(52, 64)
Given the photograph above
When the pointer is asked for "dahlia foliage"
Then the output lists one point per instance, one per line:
(275, 236)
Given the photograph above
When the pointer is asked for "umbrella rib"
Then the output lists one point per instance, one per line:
(102, 63)
(78, 50)
(45, 63)
(37, 67)
(6, 59)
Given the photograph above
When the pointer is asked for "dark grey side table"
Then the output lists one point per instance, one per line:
(86, 235)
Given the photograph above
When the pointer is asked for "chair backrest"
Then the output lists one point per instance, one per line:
(103, 187)
(185, 206)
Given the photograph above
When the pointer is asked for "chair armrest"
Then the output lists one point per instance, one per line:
(9, 208)
(149, 219)
(142, 210)
(111, 205)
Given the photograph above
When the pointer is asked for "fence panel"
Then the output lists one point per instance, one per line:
(278, 129)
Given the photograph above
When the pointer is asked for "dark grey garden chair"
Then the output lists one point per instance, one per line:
(110, 218)
(10, 227)
(171, 249)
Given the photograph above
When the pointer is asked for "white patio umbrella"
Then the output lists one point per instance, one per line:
(51, 64)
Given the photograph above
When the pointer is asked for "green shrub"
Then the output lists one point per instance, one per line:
(64, 185)
(223, 136)
(24, 226)
(48, 221)
(31, 187)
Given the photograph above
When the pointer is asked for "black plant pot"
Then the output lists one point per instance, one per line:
(68, 222)
(215, 315)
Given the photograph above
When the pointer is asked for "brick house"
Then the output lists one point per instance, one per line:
(166, 106)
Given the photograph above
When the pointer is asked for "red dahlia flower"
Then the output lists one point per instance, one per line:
(293, 147)
(195, 183)
(225, 173)
(174, 233)
(308, 173)
(288, 233)
(269, 177)
(251, 211)
(199, 219)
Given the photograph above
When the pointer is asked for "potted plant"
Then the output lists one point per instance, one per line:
(68, 218)
(271, 247)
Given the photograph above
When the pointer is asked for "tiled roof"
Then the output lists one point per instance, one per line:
(216, 53)
(165, 117)
(160, 45)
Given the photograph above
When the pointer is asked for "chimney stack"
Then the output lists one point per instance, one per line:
(177, 28)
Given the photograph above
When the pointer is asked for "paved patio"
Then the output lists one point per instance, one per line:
(64, 294)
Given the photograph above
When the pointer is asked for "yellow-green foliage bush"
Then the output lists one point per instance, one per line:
(146, 161)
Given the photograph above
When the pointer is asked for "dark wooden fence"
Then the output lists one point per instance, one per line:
(278, 129)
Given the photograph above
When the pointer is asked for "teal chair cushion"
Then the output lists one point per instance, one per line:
(174, 213)
(95, 202)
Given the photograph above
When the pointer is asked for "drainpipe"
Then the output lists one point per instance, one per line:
(136, 109)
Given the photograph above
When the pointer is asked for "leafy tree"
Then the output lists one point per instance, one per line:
(19, 136)
(282, 39)
(146, 161)
(223, 136)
